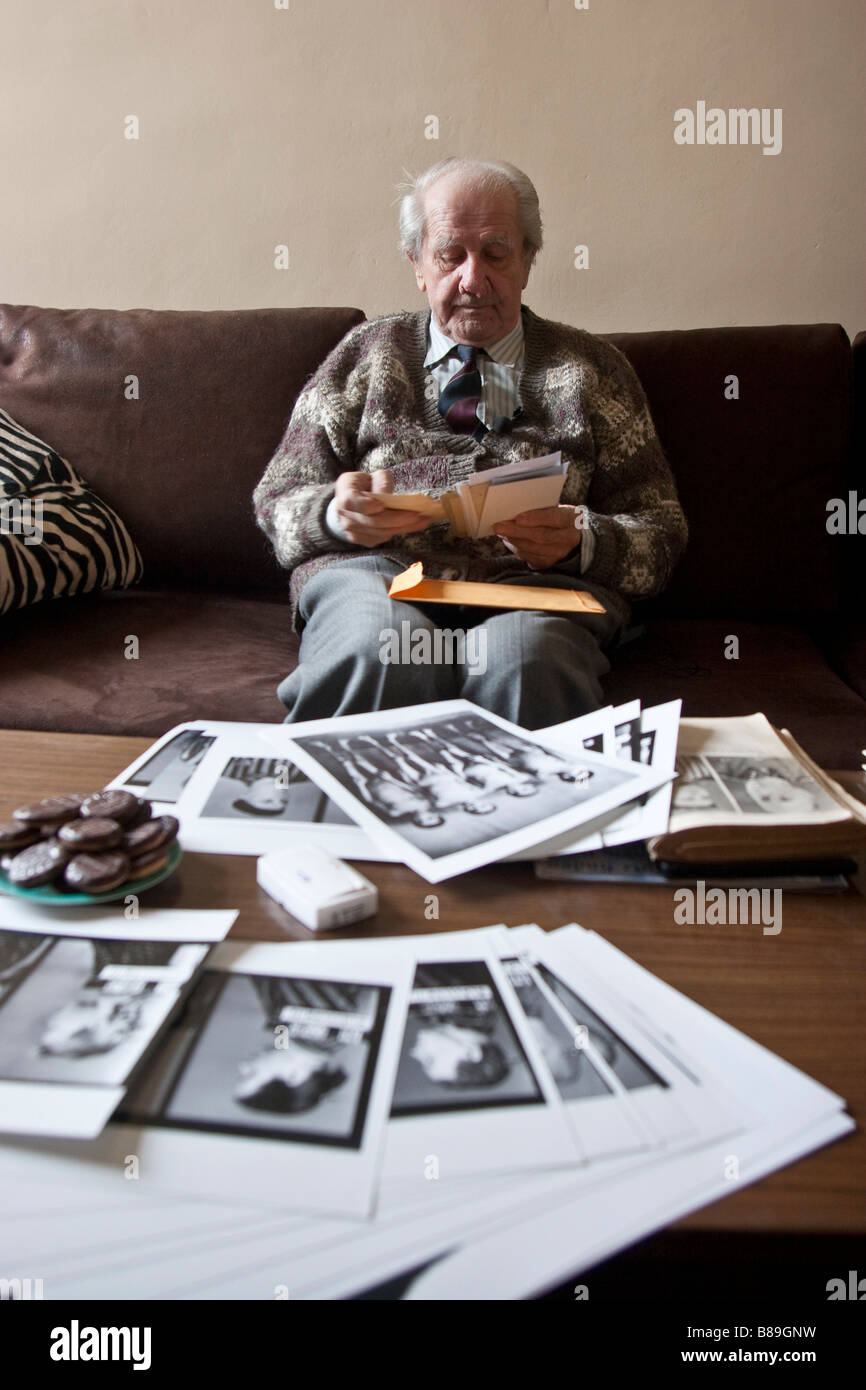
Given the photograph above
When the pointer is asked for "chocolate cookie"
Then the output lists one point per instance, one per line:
(149, 836)
(96, 873)
(38, 864)
(144, 812)
(17, 834)
(91, 834)
(115, 804)
(147, 864)
(51, 811)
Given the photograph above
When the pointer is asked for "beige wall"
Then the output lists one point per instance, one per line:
(261, 126)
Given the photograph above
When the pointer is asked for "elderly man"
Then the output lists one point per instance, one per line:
(419, 402)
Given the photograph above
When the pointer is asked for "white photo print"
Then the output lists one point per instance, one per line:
(460, 1049)
(163, 776)
(289, 1059)
(452, 786)
(81, 1010)
(266, 788)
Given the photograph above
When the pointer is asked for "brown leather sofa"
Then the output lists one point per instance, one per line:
(179, 464)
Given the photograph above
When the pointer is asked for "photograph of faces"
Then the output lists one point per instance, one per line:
(456, 785)
(81, 1010)
(251, 786)
(460, 1050)
(273, 1057)
(771, 786)
(164, 776)
(748, 785)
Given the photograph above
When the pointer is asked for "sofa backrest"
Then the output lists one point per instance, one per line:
(755, 472)
(179, 461)
(178, 451)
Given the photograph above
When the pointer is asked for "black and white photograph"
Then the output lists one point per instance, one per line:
(567, 1059)
(251, 786)
(748, 785)
(460, 1050)
(472, 1089)
(668, 1101)
(771, 786)
(627, 736)
(164, 775)
(579, 1056)
(697, 789)
(654, 745)
(597, 1038)
(456, 786)
(82, 1011)
(283, 1058)
(273, 1086)
(245, 798)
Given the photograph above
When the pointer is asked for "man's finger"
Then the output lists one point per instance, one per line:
(382, 480)
(361, 504)
(354, 482)
(559, 517)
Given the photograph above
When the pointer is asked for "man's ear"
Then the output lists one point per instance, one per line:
(528, 262)
(419, 274)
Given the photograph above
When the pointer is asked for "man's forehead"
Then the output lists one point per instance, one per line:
(456, 208)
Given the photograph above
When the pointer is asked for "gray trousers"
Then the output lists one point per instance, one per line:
(537, 668)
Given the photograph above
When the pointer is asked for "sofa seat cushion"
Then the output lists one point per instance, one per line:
(779, 671)
(211, 656)
(200, 655)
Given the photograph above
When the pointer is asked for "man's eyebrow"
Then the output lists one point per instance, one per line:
(445, 243)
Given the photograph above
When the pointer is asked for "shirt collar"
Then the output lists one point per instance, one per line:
(507, 350)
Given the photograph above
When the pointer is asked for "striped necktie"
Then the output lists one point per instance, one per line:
(458, 399)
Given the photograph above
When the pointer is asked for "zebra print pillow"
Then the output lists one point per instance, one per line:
(57, 538)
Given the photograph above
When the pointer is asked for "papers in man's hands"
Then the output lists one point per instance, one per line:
(495, 494)
(515, 1030)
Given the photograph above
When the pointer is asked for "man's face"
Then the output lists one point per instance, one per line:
(472, 266)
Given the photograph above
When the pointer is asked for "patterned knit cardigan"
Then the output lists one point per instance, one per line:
(371, 404)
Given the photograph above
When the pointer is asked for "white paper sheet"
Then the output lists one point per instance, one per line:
(448, 787)
(214, 794)
(78, 1012)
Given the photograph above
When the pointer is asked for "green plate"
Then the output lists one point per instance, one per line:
(49, 894)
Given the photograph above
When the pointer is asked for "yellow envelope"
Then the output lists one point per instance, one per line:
(414, 588)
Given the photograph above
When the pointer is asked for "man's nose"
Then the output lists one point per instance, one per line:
(473, 276)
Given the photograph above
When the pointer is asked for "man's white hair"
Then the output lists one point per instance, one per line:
(488, 175)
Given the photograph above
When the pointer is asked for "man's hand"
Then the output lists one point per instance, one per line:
(366, 520)
(542, 537)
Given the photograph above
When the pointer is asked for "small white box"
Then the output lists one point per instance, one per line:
(318, 889)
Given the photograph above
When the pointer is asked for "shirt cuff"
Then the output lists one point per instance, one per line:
(587, 539)
(333, 525)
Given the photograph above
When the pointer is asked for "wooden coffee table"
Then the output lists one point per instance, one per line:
(801, 993)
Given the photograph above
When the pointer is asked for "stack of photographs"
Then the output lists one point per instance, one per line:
(445, 787)
(467, 1115)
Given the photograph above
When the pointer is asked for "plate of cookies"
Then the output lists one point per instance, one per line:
(86, 848)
